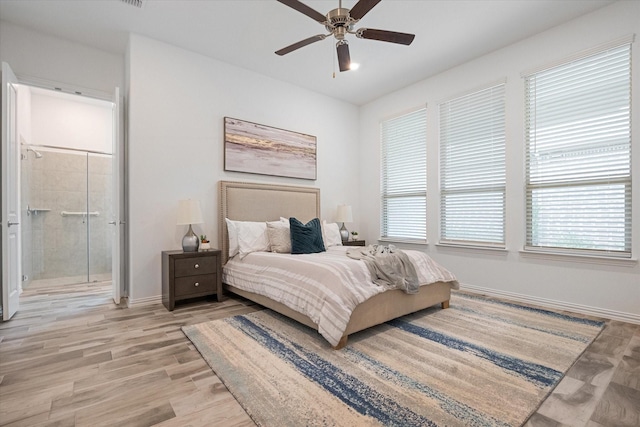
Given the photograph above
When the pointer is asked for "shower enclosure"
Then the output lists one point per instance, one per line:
(66, 209)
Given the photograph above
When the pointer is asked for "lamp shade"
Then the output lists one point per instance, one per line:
(344, 214)
(189, 212)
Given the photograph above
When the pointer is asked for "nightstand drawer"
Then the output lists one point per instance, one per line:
(203, 283)
(354, 243)
(195, 266)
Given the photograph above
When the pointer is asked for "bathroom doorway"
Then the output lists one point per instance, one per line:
(66, 190)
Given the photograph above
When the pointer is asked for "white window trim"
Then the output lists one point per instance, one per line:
(628, 39)
(408, 241)
(578, 258)
(492, 250)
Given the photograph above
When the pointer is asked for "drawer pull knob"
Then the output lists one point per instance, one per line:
(197, 266)
(197, 284)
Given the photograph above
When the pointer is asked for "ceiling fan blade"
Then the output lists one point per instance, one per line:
(385, 36)
(301, 43)
(362, 8)
(303, 8)
(344, 60)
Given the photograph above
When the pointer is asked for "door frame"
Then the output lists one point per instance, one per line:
(120, 283)
(10, 215)
(118, 191)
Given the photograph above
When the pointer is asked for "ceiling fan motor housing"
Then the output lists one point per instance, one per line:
(339, 22)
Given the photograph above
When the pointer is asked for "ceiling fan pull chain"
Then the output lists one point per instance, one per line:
(333, 57)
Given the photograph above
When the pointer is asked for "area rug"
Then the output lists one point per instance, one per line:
(481, 362)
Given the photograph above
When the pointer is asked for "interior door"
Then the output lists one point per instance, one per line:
(10, 183)
(118, 219)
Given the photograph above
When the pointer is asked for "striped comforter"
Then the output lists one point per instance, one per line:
(326, 287)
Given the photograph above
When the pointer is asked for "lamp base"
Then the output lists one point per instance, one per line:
(190, 242)
(344, 233)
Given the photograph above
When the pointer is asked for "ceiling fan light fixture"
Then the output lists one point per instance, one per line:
(354, 66)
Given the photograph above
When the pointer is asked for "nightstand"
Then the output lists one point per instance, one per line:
(354, 243)
(187, 275)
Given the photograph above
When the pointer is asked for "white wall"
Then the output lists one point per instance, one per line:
(608, 288)
(40, 59)
(177, 102)
(71, 121)
(34, 56)
(24, 115)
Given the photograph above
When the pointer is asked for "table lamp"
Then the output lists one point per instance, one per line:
(189, 213)
(344, 215)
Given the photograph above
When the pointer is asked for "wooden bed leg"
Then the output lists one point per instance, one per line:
(341, 343)
(445, 304)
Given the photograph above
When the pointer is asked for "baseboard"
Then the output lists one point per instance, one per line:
(139, 302)
(558, 305)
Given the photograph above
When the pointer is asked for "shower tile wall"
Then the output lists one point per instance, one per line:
(59, 243)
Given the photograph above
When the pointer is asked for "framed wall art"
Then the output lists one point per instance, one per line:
(254, 148)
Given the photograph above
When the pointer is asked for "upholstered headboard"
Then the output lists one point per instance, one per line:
(246, 201)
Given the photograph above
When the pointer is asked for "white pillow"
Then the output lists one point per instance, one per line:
(331, 234)
(233, 238)
(252, 237)
(279, 237)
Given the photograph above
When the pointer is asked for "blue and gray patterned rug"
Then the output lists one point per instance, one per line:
(481, 362)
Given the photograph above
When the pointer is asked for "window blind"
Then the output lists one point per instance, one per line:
(404, 177)
(472, 168)
(578, 155)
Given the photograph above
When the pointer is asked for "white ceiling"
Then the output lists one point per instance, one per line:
(246, 33)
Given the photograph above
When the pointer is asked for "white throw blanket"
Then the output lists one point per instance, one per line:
(389, 266)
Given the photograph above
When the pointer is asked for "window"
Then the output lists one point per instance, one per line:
(578, 155)
(404, 177)
(472, 168)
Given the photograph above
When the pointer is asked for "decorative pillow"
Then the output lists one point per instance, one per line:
(306, 238)
(279, 236)
(233, 238)
(331, 234)
(252, 237)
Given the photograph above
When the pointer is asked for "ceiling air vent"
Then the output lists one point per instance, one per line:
(136, 3)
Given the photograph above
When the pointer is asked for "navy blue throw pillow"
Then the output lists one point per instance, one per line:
(306, 238)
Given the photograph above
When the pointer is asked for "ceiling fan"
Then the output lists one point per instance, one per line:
(340, 22)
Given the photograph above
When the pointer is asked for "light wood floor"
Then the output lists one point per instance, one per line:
(70, 357)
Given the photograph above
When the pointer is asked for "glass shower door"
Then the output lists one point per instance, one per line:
(67, 200)
(100, 242)
(63, 237)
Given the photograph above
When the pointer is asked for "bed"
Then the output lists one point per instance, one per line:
(242, 201)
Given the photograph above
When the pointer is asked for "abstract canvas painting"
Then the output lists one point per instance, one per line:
(254, 148)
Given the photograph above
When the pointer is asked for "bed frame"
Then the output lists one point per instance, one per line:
(244, 201)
